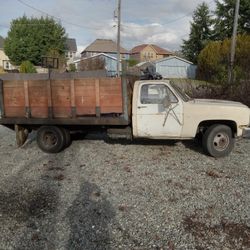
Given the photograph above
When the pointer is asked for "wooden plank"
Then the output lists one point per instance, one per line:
(108, 110)
(38, 99)
(85, 101)
(14, 100)
(73, 98)
(14, 111)
(84, 90)
(86, 110)
(26, 97)
(39, 112)
(14, 96)
(111, 101)
(61, 112)
(61, 98)
(111, 96)
(1, 99)
(97, 98)
(13, 84)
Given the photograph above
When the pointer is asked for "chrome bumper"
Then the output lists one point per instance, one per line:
(246, 133)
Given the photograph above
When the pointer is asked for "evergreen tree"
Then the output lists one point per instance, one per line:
(31, 38)
(225, 18)
(200, 33)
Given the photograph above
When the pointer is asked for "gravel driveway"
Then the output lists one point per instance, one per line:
(145, 195)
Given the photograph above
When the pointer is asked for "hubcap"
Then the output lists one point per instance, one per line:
(221, 141)
(49, 139)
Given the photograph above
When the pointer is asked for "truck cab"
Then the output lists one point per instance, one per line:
(161, 110)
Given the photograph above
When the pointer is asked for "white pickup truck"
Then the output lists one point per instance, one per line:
(152, 109)
(161, 110)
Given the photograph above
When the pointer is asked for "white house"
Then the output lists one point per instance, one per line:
(4, 59)
(71, 49)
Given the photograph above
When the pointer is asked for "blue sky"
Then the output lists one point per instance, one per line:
(162, 22)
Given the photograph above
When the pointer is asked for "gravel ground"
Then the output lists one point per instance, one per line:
(145, 195)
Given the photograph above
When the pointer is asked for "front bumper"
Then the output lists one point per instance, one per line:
(246, 133)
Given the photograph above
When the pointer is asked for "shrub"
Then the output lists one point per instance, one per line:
(27, 67)
(214, 59)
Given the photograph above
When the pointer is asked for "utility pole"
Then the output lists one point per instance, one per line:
(118, 37)
(233, 42)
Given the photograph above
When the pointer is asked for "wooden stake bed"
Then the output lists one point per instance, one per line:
(70, 101)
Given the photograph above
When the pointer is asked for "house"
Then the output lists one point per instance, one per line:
(4, 59)
(71, 50)
(148, 52)
(98, 62)
(105, 46)
(175, 67)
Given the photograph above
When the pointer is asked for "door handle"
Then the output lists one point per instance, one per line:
(142, 107)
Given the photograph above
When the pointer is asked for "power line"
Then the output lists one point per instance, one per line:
(171, 21)
(97, 28)
(58, 18)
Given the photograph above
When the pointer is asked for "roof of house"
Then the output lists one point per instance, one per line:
(104, 46)
(1, 42)
(144, 63)
(172, 57)
(157, 49)
(71, 44)
(94, 56)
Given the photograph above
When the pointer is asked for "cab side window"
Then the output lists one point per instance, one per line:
(155, 93)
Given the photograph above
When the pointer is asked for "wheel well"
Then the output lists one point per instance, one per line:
(205, 124)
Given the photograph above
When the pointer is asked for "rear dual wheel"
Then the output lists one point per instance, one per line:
(52, 139)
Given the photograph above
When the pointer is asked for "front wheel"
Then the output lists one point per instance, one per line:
(218, 140)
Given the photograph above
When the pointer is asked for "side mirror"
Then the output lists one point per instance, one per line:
(166, 102)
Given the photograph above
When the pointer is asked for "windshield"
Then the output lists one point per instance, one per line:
(180, 92)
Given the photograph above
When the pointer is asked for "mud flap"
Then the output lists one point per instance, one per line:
(21, 135)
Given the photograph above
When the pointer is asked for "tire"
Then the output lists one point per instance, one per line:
(50, 139)
(218, 140)
(67, 137)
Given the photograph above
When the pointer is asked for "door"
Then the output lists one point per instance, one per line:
(154, 118)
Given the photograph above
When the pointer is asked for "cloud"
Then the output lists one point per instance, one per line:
(133, 34)
(162, 22)
(163, 39)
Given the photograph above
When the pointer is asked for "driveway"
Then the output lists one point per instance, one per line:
(142, 195)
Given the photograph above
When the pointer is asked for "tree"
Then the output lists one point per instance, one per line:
(213, 60)
(31, 38)
(200, 33)
(225, 18)
(27, 67)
